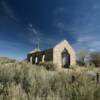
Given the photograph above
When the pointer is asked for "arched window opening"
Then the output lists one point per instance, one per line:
(36, 60)
(43, 58)
(65, 58)
(31, 60)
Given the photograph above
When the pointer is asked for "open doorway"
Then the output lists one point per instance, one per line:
(36, 60)
(65, 58)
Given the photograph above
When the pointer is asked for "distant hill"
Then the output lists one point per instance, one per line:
(6, 60)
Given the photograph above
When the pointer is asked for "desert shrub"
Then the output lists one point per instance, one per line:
(6, 73)
(5, 60)
(24, 81)
(95, 58)
(49, 66)
(97, 93)
(81, 54)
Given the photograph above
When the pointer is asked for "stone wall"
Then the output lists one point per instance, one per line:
(48, 55)
(57, 58)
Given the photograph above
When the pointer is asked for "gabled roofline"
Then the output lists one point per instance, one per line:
(60, 42)
(50, 48)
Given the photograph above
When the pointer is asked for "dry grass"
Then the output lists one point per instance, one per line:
(23, 81)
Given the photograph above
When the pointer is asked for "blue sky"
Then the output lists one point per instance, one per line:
(78, 21)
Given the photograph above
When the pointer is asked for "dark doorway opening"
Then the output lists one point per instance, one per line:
(65, 59)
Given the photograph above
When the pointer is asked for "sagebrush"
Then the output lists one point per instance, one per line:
(23, 81)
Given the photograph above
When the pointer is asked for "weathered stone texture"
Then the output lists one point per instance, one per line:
(55, 54)
(57, 59)
(48, 55)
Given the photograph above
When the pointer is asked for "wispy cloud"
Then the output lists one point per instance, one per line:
(7, 9)
(32, 29)
(36, 36)
(86, 38)
(33, 35)
(84, 24)
(88, 42)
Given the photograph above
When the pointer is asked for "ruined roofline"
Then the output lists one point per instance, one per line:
(41, 51)
(33, 52)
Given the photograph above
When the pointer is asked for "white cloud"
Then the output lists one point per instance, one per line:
(92, 50)
(88, 42)
(86, 38)
(85, 25)
(34, 35)
(32, 29)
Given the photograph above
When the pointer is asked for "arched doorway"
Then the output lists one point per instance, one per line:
(36, 60)
(65, 58)
(31, 60)
(43, 58)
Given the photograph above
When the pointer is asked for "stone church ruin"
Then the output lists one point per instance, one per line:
(62, 55)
